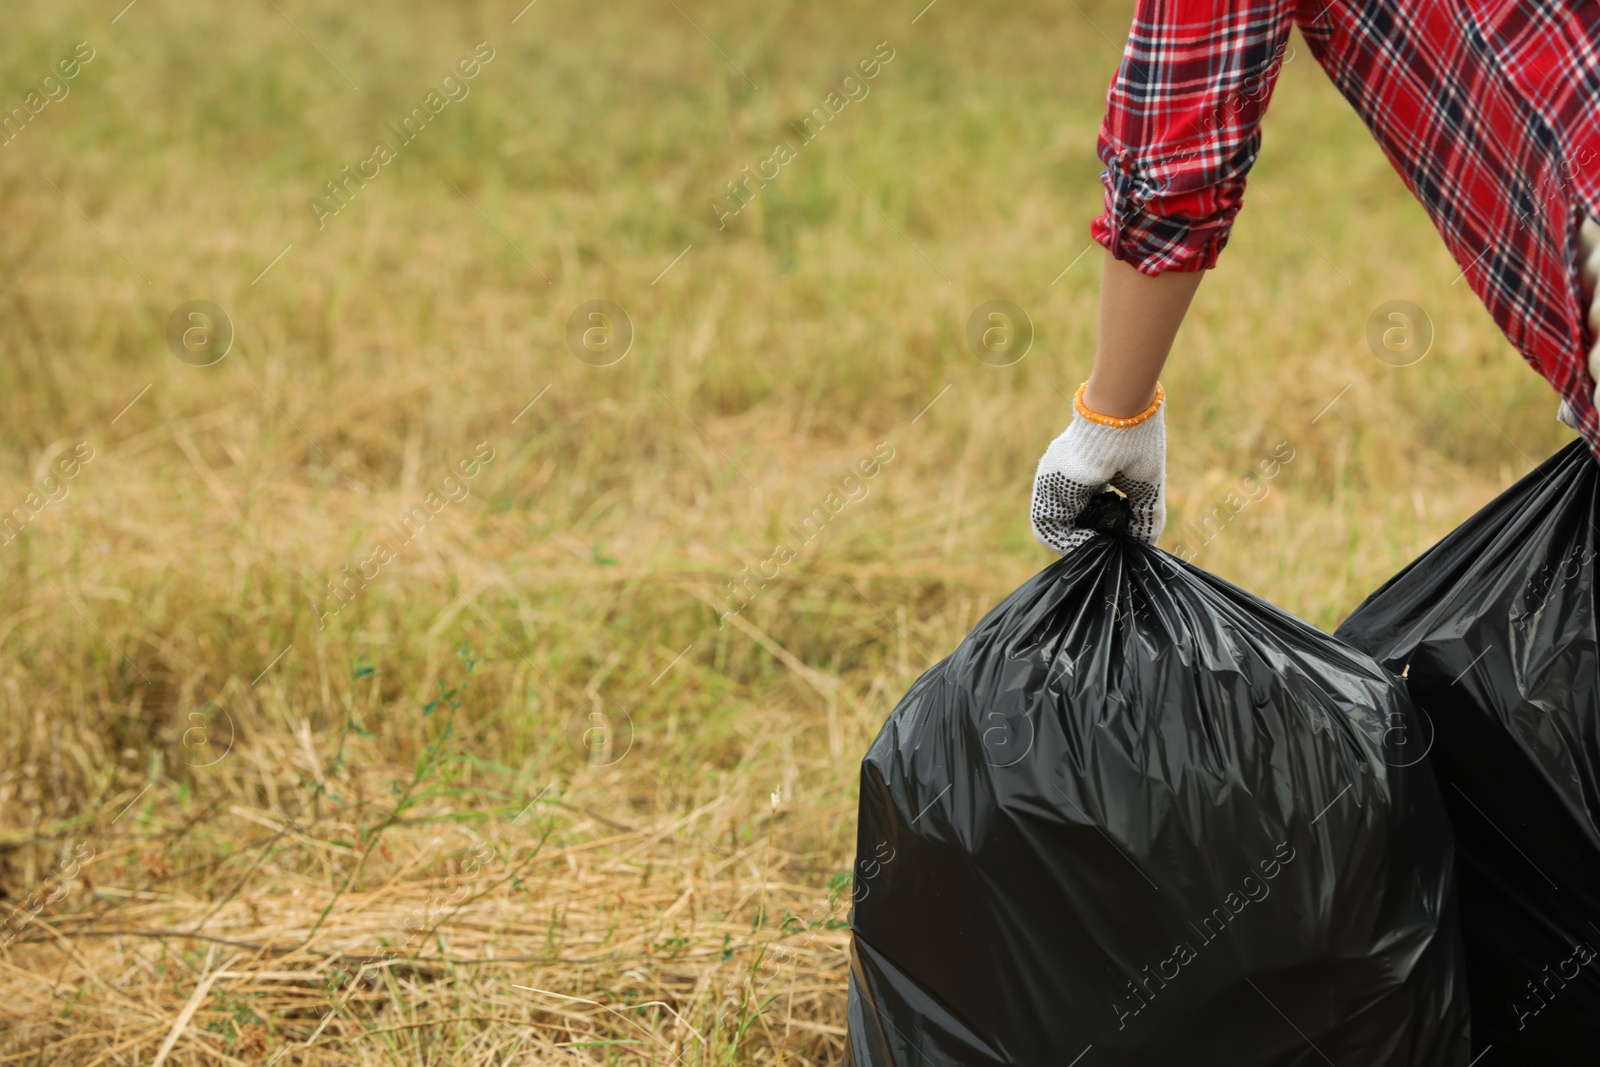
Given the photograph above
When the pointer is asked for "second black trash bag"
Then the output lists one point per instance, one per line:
(1497, 626)
(1142, 817)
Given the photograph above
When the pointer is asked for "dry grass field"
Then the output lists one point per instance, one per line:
(363, 694)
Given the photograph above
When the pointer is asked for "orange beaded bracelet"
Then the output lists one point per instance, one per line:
(1111, 420)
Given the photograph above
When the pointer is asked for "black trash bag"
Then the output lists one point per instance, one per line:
(1497, 625)
(1140, 817)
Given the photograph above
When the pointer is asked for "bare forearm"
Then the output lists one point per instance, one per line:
(1139, 317)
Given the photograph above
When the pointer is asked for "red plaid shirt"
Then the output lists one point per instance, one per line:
(1489, 110)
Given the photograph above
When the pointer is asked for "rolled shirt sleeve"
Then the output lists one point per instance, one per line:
(1182, 127)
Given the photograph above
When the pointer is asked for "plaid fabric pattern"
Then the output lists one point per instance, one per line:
(1488, 109)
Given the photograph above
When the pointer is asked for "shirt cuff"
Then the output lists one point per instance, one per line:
(1158, 232)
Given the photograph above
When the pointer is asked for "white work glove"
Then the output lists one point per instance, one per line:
(1085, 459)
(1589, 284)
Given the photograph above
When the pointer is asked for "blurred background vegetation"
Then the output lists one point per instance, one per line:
(268, 799)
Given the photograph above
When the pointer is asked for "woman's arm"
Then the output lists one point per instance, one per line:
(1118, 435)
(1181, 131)
(1139, 317)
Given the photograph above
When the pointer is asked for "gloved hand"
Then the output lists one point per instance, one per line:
(1588, 284)
(1092, 453)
